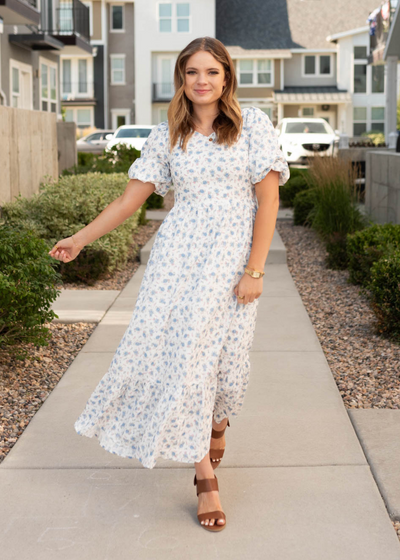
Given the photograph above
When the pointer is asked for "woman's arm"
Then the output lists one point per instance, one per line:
(267, 192)
(135, 194)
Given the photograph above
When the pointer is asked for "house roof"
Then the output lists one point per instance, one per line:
(288, 24)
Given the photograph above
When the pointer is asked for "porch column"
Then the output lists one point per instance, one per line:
(391, 96)
(280, 112)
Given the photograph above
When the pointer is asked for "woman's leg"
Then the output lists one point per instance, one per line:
(218, 443)
(208, 501)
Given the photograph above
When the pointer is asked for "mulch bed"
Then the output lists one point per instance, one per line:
(26, 384)
(366, 366)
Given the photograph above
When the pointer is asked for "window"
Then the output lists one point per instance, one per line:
(359, 120)
(317, 65)
(360, 78)
(48, 87)
(117, 18)
(324, 64)
(76, 78)
(182, 17)
(312, 127)
(117, 69)
(264, 71)
(82, 74)
(82, 116)
(66, 76)
(378, 78)
(15, 87)
(308, 111)
(255, 72)
(246, 72)
(174, 17)
(378, 118)
(309, 65)
(360, 52)
(165, 17)
(66, 16)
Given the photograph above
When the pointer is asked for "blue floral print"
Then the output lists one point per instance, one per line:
(184, 358)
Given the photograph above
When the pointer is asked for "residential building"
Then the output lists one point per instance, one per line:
(33, 34)
(98, 89)
(286, 65)
(162, 30)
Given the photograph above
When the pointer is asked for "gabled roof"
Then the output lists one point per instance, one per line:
(286, 24)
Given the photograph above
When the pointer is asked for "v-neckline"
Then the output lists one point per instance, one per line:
(204, 136)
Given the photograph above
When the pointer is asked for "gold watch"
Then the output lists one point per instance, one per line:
(254, 273)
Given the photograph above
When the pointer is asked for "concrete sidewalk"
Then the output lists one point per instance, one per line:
(294, 481)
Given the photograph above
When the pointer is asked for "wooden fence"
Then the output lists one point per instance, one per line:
(29, 150)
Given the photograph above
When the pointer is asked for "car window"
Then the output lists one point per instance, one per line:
(133, 133)
(92, 137)
(305, 127)
(105, 134)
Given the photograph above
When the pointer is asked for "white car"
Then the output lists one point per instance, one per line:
(132, 135)
(301, 138)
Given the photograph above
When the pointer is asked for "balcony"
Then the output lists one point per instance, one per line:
(77, 93)
(162, 92)
(72, 27)
(19, 12)
(377, 41)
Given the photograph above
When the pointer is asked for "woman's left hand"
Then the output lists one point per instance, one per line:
(250, 288)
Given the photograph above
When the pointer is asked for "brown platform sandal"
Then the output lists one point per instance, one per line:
(217, 453)
(209, 485)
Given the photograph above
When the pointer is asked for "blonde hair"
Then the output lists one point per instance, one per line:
(228, 123)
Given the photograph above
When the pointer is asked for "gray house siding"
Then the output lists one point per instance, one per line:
(293, 71)
(122, 96)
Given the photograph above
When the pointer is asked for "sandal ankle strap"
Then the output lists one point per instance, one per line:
(216, 434)
(206, 484)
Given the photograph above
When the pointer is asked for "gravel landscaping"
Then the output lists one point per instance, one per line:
(366, 367)
(26, 384)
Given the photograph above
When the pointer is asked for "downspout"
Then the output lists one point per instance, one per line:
(2, 94)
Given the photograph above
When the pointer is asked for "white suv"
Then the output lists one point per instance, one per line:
(132, 135)
(301, 138)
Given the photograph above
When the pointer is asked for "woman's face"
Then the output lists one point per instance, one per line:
(204, 78)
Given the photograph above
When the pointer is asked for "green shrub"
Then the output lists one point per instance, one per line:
(117, 160)
(368, 246)
(294, 185)
(384, 289)
(27, 289)
(336, 212)
(62, 208)
(303, 203)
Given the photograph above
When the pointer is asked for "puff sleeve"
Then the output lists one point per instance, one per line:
(153, 164)
(264, 152)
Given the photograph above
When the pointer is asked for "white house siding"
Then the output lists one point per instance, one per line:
(150, 42)
(346, 81)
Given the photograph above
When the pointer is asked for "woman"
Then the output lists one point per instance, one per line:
(182, 367)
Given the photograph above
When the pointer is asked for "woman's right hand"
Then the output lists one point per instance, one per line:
(65, 250)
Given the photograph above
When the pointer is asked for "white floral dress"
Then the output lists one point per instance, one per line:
(184, 357)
